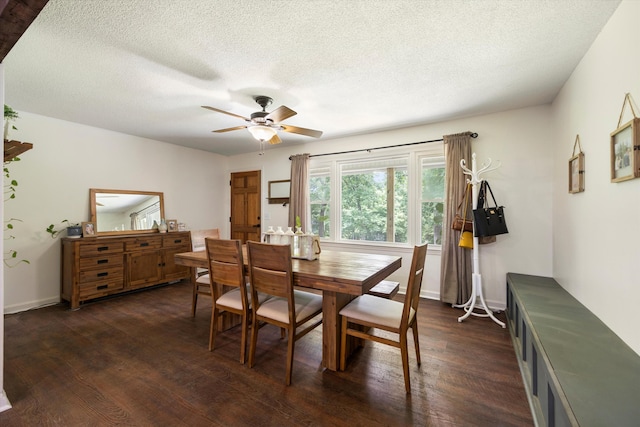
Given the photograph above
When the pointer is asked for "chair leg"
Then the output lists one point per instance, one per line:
(254, 341)
(214, 327)
(404, 352)
(243, 339)
(290, 348)
(343, 344)
(416, 341)
(283, 333)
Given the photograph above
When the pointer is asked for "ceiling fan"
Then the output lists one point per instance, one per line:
(264, 126)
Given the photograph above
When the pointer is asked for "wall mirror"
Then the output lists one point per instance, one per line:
(279, 191)
(125, 211)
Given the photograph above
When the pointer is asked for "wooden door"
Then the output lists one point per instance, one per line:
(245, 206)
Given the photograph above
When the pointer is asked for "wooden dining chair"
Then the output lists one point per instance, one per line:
(270, 272)
(226, 270)
(201, 280)
(368, 311)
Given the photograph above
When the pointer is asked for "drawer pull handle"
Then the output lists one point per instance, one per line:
(104, 274)
(102, 261)
(102, 287)
(177, 241)
(142, 245)
(103, 248)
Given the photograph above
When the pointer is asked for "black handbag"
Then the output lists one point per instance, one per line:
(484, 240)
(488, 221)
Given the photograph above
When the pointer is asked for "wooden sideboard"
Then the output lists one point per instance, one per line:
(95, 267)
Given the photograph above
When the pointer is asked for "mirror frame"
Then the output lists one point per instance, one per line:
(279, 191)
(94, 216)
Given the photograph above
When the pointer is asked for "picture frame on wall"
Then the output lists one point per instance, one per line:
(88, 229)
(576, 169)
(172, 225)
(625, 155)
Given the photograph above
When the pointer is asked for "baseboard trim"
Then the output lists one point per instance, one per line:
(31, 305)
(4, 402)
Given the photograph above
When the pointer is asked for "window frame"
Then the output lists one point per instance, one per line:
(414, 203)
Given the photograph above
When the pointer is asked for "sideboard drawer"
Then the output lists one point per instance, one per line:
(93, 289)
(108, 273)
(143, 243)
(170, 241)
(107, 260)
(94, 249)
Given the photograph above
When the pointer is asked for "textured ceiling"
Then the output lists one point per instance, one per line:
(144, 67)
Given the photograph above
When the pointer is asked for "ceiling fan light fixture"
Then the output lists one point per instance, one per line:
(261, 132)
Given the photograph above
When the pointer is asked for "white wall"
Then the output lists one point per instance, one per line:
(596, 233)
(520, 140)
(54, 180)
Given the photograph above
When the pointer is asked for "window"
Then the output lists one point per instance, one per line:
(432, 199)
(396, 199)
(320, 194)
(374, 200)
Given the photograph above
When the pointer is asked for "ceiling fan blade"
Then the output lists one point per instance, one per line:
(281, 113)
(229, 129)
(302, 131)
(225, 112)
(275, 139)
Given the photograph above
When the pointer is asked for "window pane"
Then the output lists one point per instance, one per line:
(432, 183)
(401, 210)
(432, 200)
(365, 205)
(432, 222)
(320, 194)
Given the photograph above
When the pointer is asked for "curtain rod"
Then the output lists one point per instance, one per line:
(148, 207)
(473, 135)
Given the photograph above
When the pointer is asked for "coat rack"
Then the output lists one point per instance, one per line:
(476, 278)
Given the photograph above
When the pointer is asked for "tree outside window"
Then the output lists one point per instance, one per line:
(320, 194)
(374, 201)
(432, 199)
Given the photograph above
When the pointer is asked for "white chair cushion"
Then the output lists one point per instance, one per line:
(203, 280)
(372, 309)
(277, 308)
(233, 299)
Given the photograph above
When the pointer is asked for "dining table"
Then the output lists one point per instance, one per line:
(340, 276)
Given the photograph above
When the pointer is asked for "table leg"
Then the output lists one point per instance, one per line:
(194, 297)
(332, 303)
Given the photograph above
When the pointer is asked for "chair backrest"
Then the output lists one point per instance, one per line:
(226, 265)
(412, 297)
(198, 236)
(270, 271)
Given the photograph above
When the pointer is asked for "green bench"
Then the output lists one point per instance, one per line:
(577, 372)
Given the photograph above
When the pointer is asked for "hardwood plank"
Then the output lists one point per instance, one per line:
(141, 359)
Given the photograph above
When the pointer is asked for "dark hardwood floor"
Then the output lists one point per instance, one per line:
(140, 359)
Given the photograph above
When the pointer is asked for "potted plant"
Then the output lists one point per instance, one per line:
(74, 230)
